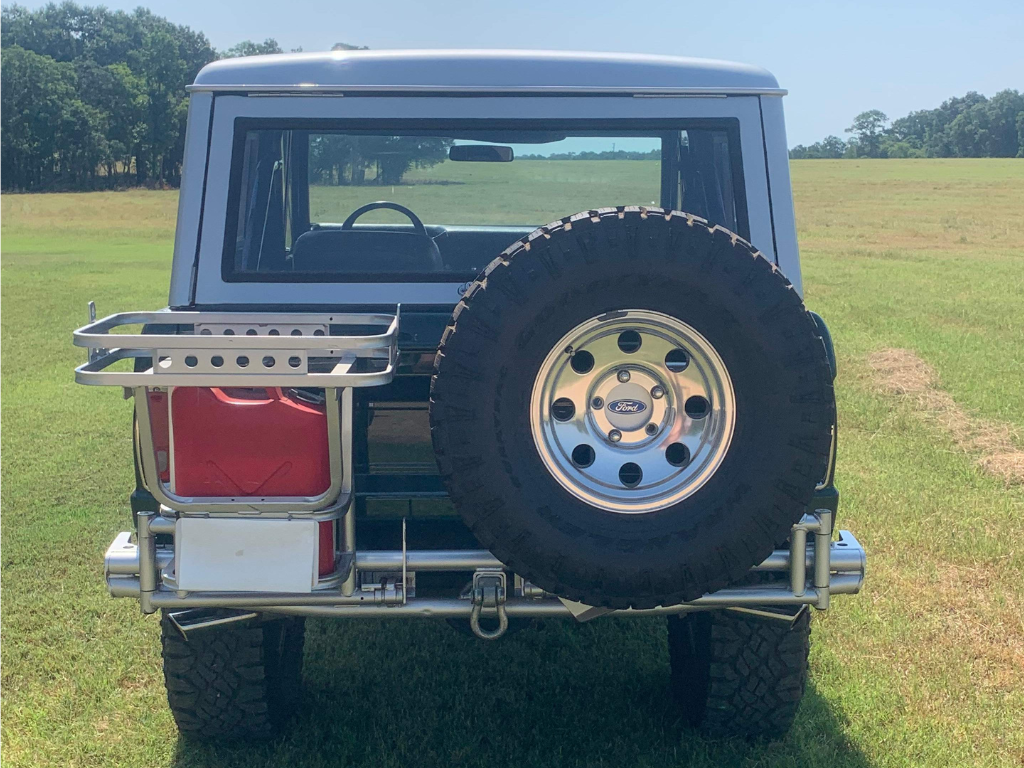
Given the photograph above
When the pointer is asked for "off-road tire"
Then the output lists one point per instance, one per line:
(234, 682)
(579, 268)
(736, 675)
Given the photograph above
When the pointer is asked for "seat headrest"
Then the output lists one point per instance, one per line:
(354, 251)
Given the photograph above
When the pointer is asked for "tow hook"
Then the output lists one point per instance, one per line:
(488, 595)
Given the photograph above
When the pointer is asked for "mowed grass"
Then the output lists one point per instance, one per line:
(532, 192)
(925, 667)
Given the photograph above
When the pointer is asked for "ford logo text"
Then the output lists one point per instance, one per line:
(627, 406)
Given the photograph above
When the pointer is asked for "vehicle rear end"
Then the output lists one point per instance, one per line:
(451, 346)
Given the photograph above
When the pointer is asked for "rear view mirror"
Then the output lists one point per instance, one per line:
(480, 153)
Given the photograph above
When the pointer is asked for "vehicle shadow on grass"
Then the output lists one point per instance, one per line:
(419, 694)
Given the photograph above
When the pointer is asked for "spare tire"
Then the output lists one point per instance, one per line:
(631, 408)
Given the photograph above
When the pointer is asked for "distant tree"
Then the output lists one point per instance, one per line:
(1003, 111)
(347, 47)
(831, 147)
(125, 110)
(868, 128)
(941, 143)
(897, 149)
(249, 48)
(392, 156)
(987, 128)
(36, 93)
(119, 95)
(340, 159)
(329, 157)
(913, 130)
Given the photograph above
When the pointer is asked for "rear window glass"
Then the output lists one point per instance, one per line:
(348, 205)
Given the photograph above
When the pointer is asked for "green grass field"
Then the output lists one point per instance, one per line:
(531, 192)
(925, 667)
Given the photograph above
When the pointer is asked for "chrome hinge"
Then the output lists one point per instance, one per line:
(386, 591)
(488, 595)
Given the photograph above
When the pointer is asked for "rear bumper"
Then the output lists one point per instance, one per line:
(382, 583)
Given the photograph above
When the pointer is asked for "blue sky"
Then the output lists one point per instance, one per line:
(836, 58)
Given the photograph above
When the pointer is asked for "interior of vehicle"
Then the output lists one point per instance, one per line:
(349, 205)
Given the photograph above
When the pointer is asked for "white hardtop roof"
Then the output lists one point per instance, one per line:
(484, 71)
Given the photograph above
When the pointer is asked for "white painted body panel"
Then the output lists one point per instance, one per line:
(190, 197)
(481, 70)
(787, 253)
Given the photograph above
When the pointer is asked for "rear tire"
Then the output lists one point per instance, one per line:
(735, 675)
(235, 682)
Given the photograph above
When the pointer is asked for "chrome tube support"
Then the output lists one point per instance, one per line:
(822, 552)
(147, 562)
(819, 526)
(348, 520)
(797, 564)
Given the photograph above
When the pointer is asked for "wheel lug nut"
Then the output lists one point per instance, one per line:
(597, 403)
(658, 392)
(652, 428)
(615, 435)
(623, 376)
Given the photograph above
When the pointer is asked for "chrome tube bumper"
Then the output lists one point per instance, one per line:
(817, 568)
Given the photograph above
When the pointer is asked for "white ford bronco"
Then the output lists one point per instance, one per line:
(385, 386)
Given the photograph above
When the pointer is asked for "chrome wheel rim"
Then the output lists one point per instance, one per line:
(632, 411)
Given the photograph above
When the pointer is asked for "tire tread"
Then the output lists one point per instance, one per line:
(739, 676)
(231, 683)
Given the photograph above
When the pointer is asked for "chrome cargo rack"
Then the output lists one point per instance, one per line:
(241, 349)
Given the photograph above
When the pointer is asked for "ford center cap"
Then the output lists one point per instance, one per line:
(628, 407)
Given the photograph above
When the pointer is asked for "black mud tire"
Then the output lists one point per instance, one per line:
(736, 675)
(235, 682)
(584, 266)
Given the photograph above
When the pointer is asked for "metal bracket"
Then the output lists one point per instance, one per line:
(782, 613)
(583, 612)
(488, 593)
(95, 353)
(387, 591)
(194, 620)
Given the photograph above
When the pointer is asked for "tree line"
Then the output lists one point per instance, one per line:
(342, 160)
(967, 126)
(610, 154)
(95, 99)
